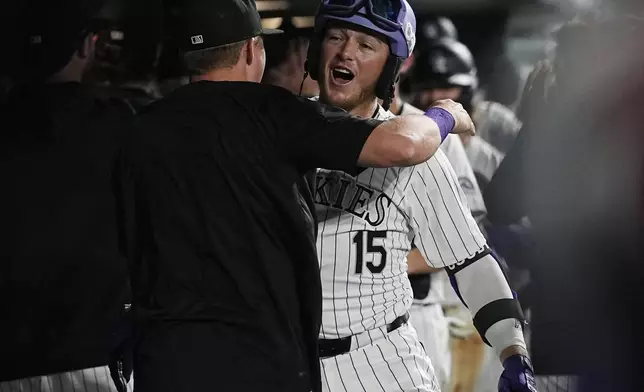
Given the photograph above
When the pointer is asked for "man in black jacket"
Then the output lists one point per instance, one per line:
(63, 283)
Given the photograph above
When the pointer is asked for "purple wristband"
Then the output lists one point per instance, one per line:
(443, 119)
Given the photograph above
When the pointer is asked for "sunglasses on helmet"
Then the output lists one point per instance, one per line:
(383, 13)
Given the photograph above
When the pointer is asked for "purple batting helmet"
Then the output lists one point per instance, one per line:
(393, 19)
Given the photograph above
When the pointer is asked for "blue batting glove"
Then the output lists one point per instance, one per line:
(518, 375)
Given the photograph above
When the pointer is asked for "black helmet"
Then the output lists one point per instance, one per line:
(435, 28)
(444, 63)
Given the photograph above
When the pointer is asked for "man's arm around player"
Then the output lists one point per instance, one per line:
(410, 140)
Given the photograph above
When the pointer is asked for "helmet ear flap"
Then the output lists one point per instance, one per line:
(385, 87)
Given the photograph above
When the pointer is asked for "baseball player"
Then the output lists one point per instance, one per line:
(368, 222)
(446, 69)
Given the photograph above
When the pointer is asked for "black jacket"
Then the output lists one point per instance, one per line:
(63, 282)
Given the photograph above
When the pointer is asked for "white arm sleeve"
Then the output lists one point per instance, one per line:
(444, 230)
(481, 283)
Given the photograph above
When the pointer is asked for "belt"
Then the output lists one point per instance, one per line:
(333, 347)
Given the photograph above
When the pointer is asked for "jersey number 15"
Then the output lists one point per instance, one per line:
(359, 241)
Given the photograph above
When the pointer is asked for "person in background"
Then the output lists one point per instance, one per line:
(434, 28)
(285, 58)
(504, 84)
(64, 284)
(430, 30)
(584, 202)
(446, 69)
(127, 53)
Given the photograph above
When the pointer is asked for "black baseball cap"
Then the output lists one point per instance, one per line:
(205, 24)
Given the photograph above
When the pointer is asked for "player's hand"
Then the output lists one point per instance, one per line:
(536, 90)
(518, 375)
(459, 321)
(462, 121)
(459, 328)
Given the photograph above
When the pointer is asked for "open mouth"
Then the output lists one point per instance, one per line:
(342, 75)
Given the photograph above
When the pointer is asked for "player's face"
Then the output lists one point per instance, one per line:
(351, 64)
(424, 99)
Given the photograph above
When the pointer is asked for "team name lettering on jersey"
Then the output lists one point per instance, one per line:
(341, 191)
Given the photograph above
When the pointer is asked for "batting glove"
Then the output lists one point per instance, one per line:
(518, 375)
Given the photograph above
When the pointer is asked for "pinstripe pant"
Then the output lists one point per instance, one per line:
(96, 379)
(433, 332)
(381, 361)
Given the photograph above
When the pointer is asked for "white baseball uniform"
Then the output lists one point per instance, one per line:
(96, 379)
(427, 314)
(496, 124)
(366, 227)
(483, 157)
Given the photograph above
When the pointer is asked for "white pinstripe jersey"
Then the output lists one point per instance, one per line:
(366, 227)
